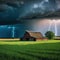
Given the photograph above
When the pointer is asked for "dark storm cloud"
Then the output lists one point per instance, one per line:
(9, 13)
(12, 11)
(42, 9)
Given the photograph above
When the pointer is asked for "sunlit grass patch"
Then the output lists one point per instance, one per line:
(27, 42)
(30, 50)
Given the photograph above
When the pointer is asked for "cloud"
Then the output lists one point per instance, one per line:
(3, 7)
(44, 9)
(15, 10)
(8, 14)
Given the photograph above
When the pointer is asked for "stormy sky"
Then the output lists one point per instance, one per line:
(25, 15)
(16, 10)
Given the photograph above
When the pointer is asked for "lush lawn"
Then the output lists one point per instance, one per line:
(40, 50)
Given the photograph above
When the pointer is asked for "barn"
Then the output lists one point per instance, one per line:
(32, 36)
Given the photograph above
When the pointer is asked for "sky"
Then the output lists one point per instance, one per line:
(17, 16)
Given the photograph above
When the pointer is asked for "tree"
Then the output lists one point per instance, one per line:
(50, 34)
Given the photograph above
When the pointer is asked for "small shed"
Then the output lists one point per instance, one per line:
(57, 38)
(32, 36)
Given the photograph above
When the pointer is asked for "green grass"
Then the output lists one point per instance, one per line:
(30, 50)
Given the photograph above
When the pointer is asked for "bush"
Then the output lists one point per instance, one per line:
(50, 34)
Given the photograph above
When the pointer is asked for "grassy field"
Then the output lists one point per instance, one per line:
(30, 50)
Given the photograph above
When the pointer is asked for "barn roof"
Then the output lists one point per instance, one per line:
(35, 34)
